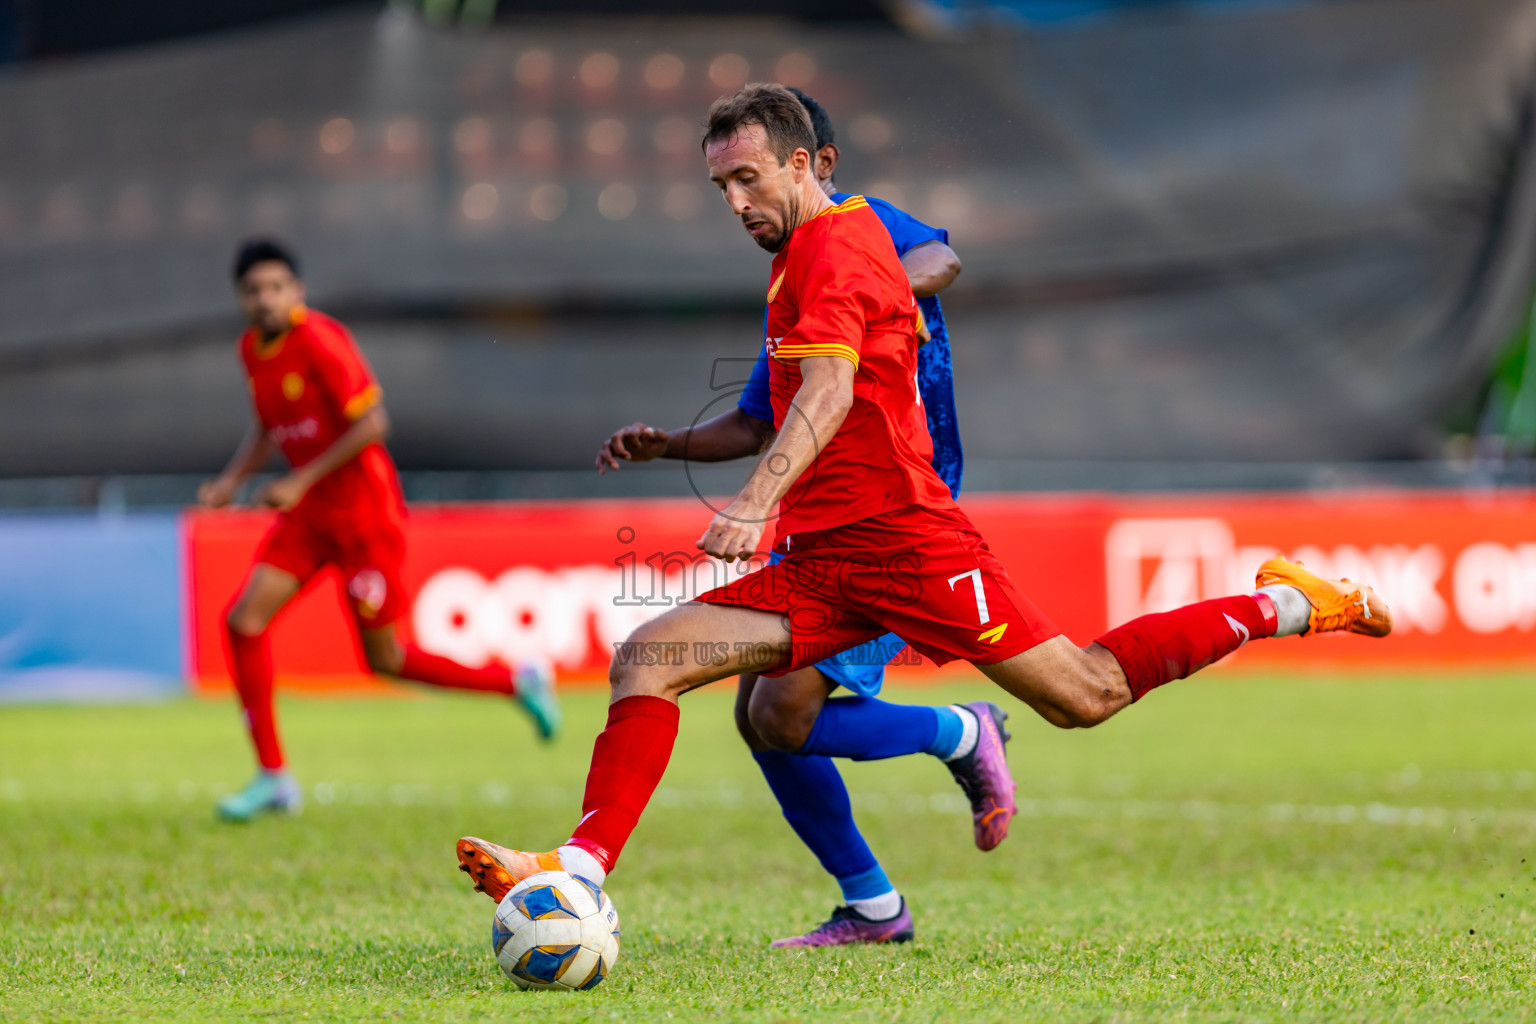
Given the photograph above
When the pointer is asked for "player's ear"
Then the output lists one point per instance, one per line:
(826, 161)
(800, 163)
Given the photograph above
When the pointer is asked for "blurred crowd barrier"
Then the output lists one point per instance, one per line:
(1290, 231)
(140, 599)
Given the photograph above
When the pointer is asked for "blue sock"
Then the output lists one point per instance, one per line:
(815, 803)
(866, 729)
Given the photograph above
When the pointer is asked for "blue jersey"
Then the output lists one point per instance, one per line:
(935, 372)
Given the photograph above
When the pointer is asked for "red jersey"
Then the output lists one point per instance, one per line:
(839, 290)
(309, 385)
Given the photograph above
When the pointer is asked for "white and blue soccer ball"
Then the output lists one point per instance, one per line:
(556, 930)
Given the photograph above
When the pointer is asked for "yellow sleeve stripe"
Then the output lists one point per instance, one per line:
(362, 401)
(787, 352)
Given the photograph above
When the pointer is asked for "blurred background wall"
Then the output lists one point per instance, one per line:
(1209, 245)
(1194, 234)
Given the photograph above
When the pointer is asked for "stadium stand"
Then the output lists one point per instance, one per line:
(1287, 234)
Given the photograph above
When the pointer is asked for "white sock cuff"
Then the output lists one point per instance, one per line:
(879, 908)
(1293, 612)
(970, 729)
(579, 862)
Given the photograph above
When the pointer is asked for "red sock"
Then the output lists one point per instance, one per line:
(628, 760)
(437, 671)
(1157, 649)
(250, 659)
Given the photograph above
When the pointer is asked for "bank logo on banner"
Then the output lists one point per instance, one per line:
(1495, 587)
(1155, 565)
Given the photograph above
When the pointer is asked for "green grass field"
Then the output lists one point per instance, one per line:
(1231, 849)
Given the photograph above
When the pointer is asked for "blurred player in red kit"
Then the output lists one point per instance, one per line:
(316, 400)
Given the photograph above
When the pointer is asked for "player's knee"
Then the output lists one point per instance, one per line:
(749, 734)
(1094, 697)
(385, 662)
(1081, 712)
(629, 678)
(779, 727)
(648, 663)
(243, 621)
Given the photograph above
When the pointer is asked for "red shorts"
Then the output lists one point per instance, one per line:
(924, 574)
(368, 555)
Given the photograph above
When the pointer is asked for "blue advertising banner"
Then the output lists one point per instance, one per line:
(91, 607)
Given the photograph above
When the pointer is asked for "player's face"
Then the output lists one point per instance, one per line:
(269, 293)
(760, 190)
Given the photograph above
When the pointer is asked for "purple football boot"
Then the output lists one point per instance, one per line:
(983, 775)
(848, 927)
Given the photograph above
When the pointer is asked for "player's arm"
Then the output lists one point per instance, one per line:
(931, 267)
(254, 451)
(731, 435)
(818, 410)
(286, 491)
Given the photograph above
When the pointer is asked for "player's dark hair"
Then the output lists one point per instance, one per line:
(780, 112)
(259, 250)
(821, 123)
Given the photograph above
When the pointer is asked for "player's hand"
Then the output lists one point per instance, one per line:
(733, 533)
(634, 443)
(282, 493)
(216, 493)
(924, 335)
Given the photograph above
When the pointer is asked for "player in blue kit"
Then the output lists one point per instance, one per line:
(791, 723)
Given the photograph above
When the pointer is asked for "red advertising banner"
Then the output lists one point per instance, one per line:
(567, 580)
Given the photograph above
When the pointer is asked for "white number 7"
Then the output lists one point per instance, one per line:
(981, 595)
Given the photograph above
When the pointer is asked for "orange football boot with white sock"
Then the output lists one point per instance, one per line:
(497, 869)
(1336, 604)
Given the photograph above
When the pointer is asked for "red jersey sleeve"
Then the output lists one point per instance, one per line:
(345, 374)
(838, 296)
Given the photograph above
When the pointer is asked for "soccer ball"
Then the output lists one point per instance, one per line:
(556, 930)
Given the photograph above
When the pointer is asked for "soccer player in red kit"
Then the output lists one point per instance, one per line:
(316, 401)
(872, 540)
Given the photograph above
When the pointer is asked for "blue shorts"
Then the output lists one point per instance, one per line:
(861, 669)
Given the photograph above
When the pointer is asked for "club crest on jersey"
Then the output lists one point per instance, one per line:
(293, 386)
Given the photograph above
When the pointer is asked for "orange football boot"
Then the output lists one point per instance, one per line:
(497, 869)
(1336, 604)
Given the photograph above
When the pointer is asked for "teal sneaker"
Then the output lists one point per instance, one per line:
(536, 694)
(268, 793)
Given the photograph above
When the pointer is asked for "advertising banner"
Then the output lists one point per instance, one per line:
(568, 580)
(91, 607)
